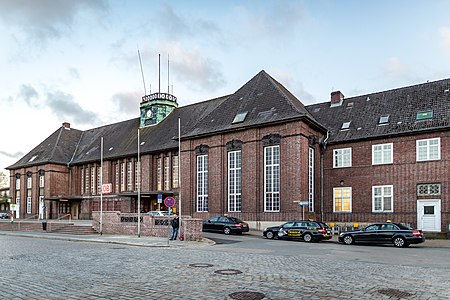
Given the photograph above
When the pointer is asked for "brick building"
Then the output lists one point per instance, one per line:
(254, 154)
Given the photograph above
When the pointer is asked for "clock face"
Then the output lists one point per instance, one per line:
(149, 114)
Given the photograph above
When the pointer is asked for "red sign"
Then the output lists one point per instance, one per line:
(169, 201)
(106, 188)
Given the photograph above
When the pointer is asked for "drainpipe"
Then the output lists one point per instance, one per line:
(322, 152)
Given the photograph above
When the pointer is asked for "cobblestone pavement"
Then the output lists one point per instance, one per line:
(56, 269)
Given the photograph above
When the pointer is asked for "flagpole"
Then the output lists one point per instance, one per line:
(179, 172)
(101, 189)
(139, 183)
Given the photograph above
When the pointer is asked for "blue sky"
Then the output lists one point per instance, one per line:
(77, 61)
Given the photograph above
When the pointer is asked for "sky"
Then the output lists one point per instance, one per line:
(77, 61)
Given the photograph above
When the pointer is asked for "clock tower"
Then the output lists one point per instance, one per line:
(155, 107)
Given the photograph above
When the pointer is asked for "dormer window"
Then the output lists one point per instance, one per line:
(424, 115)
(345, 125)
(383, 119)
(240, 117)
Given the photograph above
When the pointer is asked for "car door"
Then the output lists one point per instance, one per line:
(386, 233)
(221, 223)
(369, 234)
(287, 227)
(210, 224)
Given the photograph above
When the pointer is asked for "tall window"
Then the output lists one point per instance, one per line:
(93, 180)
(86, 180)
(382, 154)
(272, 178)
(117, 176)
(342, 199)
(17, 188)
(234, 181)
(29, 191)
(175, 170)
(429, 149)
(382, 200)
(311, 179)
(99, 180)
(167, 173)
(41, 193)
(202, 183)
(342, 158)
(129, 175)
(82, 180)
(159, 173)
(137, 175)
(122, 176)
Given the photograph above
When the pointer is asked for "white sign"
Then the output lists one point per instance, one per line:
(14, 207)
(106, 188)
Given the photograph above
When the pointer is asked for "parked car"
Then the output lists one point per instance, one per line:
(306, 230)
(226, 225)
(4, 215)
(384, 233)
(158, 213)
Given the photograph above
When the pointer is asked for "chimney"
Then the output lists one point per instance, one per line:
(66, 125)
(336, 98)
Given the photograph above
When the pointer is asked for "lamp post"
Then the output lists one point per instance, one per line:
(139, 184)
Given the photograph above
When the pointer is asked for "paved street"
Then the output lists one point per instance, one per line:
(252, 267)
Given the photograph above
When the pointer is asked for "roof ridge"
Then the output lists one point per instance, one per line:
(56, 144)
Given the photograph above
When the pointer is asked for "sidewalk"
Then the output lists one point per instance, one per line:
(132, 240)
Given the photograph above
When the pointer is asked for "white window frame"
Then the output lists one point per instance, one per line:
(167, 173)
(29, 200)
(311, 156)
(424, 147)
(382, 197)
(202, 183)
(386, 153)
(272, 178)
(17, 183)
(342, 158)
(99, 180)
(175, 172)
(129, 175)
(342, 189)
(235, 181)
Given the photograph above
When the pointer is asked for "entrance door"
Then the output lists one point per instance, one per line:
(429, 215)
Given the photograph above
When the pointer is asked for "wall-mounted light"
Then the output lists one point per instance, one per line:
(342, 182)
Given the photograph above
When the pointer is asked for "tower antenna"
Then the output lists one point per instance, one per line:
(159, 73)
(142, 72)
(168, 78)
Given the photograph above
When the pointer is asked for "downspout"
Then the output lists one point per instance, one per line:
(322, 152)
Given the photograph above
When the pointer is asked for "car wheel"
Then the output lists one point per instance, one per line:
(307, 238)
(399, 242)
(348, 240)
(270, 235)
(227, 230)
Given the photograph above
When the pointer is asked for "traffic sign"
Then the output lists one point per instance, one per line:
(169, 201)
(303, 203)
(159, 198)
(106, 188)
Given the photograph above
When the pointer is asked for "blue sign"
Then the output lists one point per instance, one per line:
(169, 201)
(303, 203)
(159, 198)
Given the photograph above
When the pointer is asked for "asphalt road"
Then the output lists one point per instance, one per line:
(237, 267)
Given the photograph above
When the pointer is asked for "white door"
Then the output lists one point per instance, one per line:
(429, 215)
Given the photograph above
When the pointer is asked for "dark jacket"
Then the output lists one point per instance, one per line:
(175, 223)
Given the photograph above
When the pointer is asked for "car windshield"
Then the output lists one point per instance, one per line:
(235, 220)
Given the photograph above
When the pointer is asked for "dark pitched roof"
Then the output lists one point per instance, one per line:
(120, 139)
(401, 105)
(57, 148)
(262, 99)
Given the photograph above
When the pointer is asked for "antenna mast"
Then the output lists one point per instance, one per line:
(168, 78)
(142, 72)
(159, 73)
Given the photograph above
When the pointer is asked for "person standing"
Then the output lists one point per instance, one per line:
(175, 223)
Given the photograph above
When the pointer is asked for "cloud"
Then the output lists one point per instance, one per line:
(394, 67)
(175, 26)
(278, 20)
(64, 106)
(73, 73)
(127, 102)
(16, 155)
(45, 19)
(29, 94)
(445, 35)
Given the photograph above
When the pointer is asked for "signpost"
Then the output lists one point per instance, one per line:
(302, 204)
(169, 202)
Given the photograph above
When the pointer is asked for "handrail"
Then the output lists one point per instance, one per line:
(29, 218)
(62, 217)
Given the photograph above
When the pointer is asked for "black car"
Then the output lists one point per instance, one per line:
(226, 225)
(307, 230)
(4, 215)
(384, 233)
